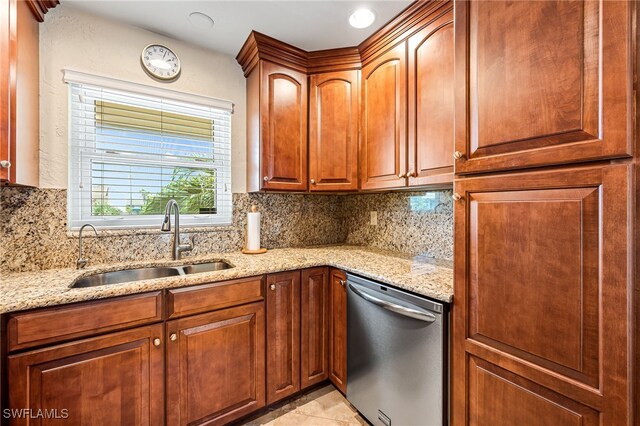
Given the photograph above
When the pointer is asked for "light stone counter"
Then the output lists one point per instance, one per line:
(429, 277)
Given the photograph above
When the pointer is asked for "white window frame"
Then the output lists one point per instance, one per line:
(81, 214)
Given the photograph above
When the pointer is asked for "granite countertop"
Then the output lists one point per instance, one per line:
(429, 277)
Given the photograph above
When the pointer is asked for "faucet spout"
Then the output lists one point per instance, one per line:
(82, 262)
(176, 247)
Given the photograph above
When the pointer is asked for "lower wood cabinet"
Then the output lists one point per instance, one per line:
(541, 316)
(283, 335)
(215, 366)
(314, 326)
(113, 379)
(338, 329)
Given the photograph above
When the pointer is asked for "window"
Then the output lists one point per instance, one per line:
(132, 148)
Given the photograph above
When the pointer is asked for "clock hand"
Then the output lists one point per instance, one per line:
(165, 54)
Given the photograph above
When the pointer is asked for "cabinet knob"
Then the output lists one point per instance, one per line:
(413, 174)
(272, 287)
(156, 341)
(458, 155)
(402, 176)
(456, 196)
(313, 181)
(342, 283)
(173, 337)
(5, 164)
(266, 178)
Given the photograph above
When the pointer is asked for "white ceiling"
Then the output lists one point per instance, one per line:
(310, 25)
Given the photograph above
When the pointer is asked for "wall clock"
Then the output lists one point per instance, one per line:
(160, 62)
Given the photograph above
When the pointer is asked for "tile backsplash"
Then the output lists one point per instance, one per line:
(34, 231)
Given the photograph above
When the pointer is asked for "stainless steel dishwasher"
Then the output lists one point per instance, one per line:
(396, 355)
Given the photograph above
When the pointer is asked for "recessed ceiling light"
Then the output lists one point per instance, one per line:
(362, 18)
(201, 20)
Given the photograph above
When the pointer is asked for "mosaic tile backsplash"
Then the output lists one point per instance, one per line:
(33, 227)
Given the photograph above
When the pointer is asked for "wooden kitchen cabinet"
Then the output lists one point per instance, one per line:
(277, 128)
(338, 329)
(333, 131)
(542, 83)
(431, 101)
(114, 379)
(383, 146)
(19, 90)
(314, 326)
(283, 335)
(541, 313)
(216, 365)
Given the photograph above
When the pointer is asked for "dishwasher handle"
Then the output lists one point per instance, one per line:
(393, 307)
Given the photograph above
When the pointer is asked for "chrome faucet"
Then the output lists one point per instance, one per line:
(82, 262)
(176, 247)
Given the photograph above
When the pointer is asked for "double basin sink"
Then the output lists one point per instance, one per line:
(139, 274)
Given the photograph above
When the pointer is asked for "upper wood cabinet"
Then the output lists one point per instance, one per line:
(283, 128)
(314, 326)
(216, 365)
(19, 90)
(384, 112)
(431, 102)
(283, 335)
(541, 83)
(541, 301)
(118, 376)
(333, 131)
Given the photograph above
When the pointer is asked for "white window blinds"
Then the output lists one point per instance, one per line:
(132, 148)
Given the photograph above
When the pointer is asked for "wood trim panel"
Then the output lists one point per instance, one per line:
(314, 326)
(338, 330)
(259, 47)
(67, 322)
(72, 374)
(208, 297)
(216, 366)
(584, 116)
(333, 60)
(606, 388)
(283, 335)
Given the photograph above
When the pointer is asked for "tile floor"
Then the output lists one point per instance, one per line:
(321, 407)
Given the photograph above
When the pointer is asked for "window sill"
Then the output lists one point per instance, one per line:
(114, 232)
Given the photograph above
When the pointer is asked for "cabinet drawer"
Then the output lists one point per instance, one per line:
(44, 326)
(208, 297)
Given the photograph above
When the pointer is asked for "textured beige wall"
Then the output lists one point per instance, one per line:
(73, 39)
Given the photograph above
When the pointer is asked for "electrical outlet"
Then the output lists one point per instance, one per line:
(374, 218)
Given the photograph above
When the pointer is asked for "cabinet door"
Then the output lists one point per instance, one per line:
(7, 80)
(338, 330)
(109, 380)
(541, 302)
(383, 162)
(431, 102)
(333, 131)
(283, 335)
(540, 83)
(215, 366)
(283, 116)
(314, 363)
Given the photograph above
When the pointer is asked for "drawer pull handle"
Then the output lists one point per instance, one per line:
(173, 337)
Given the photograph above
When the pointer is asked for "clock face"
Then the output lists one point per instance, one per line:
(160, 62)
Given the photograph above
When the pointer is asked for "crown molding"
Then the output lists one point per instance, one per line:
(342, 59)
(41, 7)
(400, 27)
(262, 47)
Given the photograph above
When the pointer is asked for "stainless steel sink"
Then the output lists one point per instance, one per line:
(127, 275)
(206, 267)
(139, 274)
